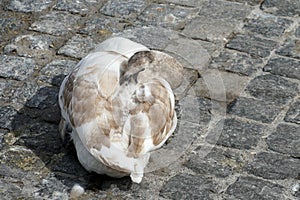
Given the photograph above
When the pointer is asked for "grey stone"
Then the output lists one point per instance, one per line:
(191, 51)
(250, 2)
(77, 47)
(216, 21)
(186, 186)
(168, 16)
(78, 6)
(124, 8)
(16, 67)
(268, 25)
(285, 8)
(218, 162)
(237, 134)
(29, 5)
(253, 45)
(290, 48)
(274, 166)
(273, 89)
(254, 109)
(45, 97)
(55, 72)
(285, 139)
(191, 3)
(56, 23)
(236, 62)
(293, 114)
(195, 110)
(103, 25)
(284, 67)
(7, 114)
(152, 37)
(218, 85)
(10, 26)
(38, 46)
(297, 32)
(253, 188)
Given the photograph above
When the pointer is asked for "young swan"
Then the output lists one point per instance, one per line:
(119, 103)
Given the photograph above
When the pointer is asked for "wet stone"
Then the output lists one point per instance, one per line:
(54, 72)
(254, 109)
(252, 188)
(187, 186)
(218, 162)
(16, 67)
(151, 37)
(293, 114)
(78, 6)
(168, 16)
(273, 89)
(77, 47)
(291, 48)
(236, 63)
(39, 46)
(284, 67)
(103, 25)
(7, 114)
(274, 166)
(268, 25)
(29, 5)
(237, 134)
(284, 8)
(253, 45)
(124, 8)
(285, 139)
(56, 23)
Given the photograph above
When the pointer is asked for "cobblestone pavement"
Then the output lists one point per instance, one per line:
(240, 55)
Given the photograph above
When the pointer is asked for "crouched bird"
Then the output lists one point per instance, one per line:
(118, 102)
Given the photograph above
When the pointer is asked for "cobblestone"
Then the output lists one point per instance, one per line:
(274, 166)
(293, 114)
(238, 106)
(254, 109)
(273, 89)
(238, 134)
(284, 67)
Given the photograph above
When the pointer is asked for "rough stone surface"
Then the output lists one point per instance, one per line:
(255, 46)
(238, 134)
(236, 62)
(273, 89)
(78, 6)
(293, 114)
(6, 116)
(56, 23)
(9, 24)
(192, 3)
(254, 109)
(274, 166)
(186, 186)
(291, 48)
(169, 16)
(16, 67)
(253, 188)
(77, 47)
(124, 8)
(285, 139)
(213, 23)
(218, 162)
(297, 32)
(55, 72)
(284, 67)
(29, 6)
(283, 8)
(268, 25)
